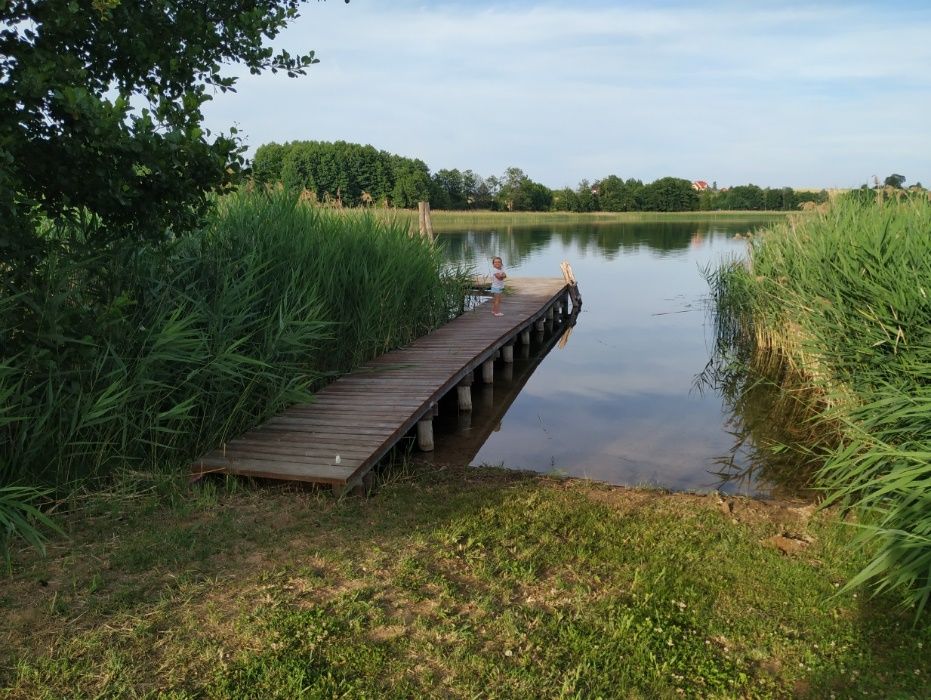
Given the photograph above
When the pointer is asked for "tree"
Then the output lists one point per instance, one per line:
(268, 162)
(100, 110)
(614, 194)
(539, 196)
(486, 192)
(470, 185)
(895, 180)
(565, 200)
(450, 190)
(745, 197)
(670, 194)
(411, 182)
(585, 198)
(509, 193)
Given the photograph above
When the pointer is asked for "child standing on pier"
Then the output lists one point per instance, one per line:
(498, 275)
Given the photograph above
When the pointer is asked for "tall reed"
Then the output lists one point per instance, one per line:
(845, 297)
(147, 356)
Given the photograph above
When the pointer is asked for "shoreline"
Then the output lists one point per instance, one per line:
(445, 219)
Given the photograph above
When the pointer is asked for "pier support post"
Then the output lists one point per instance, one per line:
(488, 371)
(464, 421)
(507, 353)
(425, 433)
(539, 325)
(549, 312)
(524, 351)
(525, 337)
(464, 392)
(487, 397)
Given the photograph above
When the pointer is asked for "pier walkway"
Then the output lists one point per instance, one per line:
(353, 422)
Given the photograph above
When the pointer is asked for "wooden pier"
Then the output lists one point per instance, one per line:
(356, 420)
(473, 429)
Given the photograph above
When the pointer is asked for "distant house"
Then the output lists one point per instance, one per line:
(700, 185)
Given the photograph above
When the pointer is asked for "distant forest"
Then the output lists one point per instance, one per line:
(351, 174)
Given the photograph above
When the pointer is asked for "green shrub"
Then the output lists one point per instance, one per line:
(146, 357)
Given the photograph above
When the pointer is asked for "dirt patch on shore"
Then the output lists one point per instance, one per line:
(790, 514)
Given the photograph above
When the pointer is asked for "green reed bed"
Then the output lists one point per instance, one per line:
(844, 297)
(142, 358)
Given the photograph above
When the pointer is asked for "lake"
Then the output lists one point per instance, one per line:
(617, 400)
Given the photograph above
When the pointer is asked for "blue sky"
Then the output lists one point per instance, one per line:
(804, 95)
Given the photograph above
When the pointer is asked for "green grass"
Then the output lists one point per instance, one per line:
(844, 299)
(448, 583)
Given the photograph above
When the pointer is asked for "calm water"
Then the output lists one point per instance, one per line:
(616, 401)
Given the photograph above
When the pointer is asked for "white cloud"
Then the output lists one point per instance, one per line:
(782, 95)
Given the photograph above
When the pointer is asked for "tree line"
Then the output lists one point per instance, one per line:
(350, 174)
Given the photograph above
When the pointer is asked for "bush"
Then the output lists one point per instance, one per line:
(150, 356)
(845, 296)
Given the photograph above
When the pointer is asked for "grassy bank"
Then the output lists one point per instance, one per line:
(138, 356)
(842, 299)
(457, 219)
(449, 583)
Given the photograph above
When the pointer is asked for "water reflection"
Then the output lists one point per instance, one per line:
(461, 435)
(617, 403)
(608, 241)
(775, 444)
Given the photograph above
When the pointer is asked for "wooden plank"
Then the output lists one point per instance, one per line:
(312, 422)
(361, 415)
(352, 410)
(261, 467)
(324, 430)
(332, 410)
(299, 454)
(305, 456)
(350, 444)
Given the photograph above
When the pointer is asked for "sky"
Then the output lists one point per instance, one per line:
(777, 94)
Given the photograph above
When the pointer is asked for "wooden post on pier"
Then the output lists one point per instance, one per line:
(507, 353)
(426, 223)
(429, 220)
(525, 337)
(573, 285)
